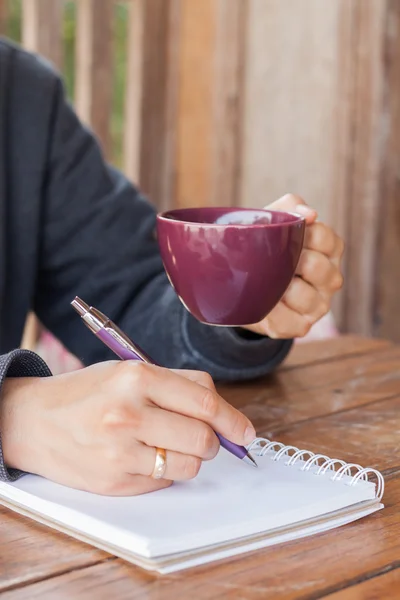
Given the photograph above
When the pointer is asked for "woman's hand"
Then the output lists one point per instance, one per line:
(318, 277)
(96, 429)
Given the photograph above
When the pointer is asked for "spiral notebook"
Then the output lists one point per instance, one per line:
(229, 509)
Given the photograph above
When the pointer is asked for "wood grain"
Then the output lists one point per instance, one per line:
(289, 102)
(385, 587)
(42, 28)
(195, 103)
(94, 74)
(366, 138)
(337, 348)
(209, 109)
(303, 570)
(387, 322)
(39, 550)
(355, 423)
(367, 435)
(3, 16)
(316, 391)
(133, 94)
(159, 98)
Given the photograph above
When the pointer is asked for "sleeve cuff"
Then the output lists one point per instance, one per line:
(231, 355)
(19, 363)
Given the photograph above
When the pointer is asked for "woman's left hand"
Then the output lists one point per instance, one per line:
(318, 277)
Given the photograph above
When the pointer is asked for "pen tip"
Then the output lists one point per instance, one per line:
(250, 461)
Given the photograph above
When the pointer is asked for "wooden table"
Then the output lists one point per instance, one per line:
(341, 398)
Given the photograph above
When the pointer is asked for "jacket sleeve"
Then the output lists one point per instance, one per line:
(98, 242)
(18, 363)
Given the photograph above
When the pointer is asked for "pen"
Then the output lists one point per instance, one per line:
(112, 336)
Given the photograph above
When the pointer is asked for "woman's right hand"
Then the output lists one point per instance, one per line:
(97, 429)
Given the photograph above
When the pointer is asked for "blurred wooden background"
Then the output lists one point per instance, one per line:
(236, 102)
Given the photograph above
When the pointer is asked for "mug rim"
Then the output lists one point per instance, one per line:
(163, 216)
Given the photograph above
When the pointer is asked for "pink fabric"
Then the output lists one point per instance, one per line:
(324, 329)
(56, 356)
(61, 361)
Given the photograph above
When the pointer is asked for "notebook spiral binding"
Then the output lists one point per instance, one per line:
(322, 463)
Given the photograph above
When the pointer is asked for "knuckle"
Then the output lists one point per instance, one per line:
(278, 333)
(191, 467)
(238, 424)
(205, 441)
(134, 376)
(112, 455)
(337, 282)
(324, 308)
(312, 265)
(209, 404)
(326, 239)
(206, 380)
(113, 417)
(305, 327)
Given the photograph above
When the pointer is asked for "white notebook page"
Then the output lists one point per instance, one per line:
(227, 500)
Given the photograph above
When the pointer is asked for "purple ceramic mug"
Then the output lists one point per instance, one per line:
(230, 266)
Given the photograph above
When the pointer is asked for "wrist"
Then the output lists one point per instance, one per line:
(17, 423)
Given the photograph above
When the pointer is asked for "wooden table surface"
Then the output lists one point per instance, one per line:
(340, 398)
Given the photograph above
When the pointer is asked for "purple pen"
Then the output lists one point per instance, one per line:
(112, 336)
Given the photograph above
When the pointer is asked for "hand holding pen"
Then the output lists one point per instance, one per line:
(122, 346)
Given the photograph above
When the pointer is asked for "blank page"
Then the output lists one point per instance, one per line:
(229, 499)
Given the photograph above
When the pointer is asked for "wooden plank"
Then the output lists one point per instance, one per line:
(310, 393)
(386, 586)
(3, 16)
(31, 333)
(342, 142)
(305, 569)
(333, 349)
(94, 73)
(41, 551)
(337, 558)
(367, 435)
(367, 134)
(42, 28)
(387, 322)
(133, 97)
(368, 150)
(289, 102)
(208, 115)
(337, 147)
(195, 103)
(41, 33)
(160, 75)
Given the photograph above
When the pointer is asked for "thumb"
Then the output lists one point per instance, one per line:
(293, 203)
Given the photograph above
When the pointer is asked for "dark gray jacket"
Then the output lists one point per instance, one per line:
(72, 225)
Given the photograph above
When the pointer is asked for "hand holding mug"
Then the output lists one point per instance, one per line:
(318, 277)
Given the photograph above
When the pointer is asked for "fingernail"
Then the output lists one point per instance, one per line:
(302, 208)
(249, 435)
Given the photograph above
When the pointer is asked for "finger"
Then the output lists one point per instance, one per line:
(319, 271)
(179, 467)
(284, 323)
(305, 299)
(200, 377)
(323, 239)
(176, 432)
(178, 394)
(293, 203)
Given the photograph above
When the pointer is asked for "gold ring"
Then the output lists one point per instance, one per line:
(160, 464)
